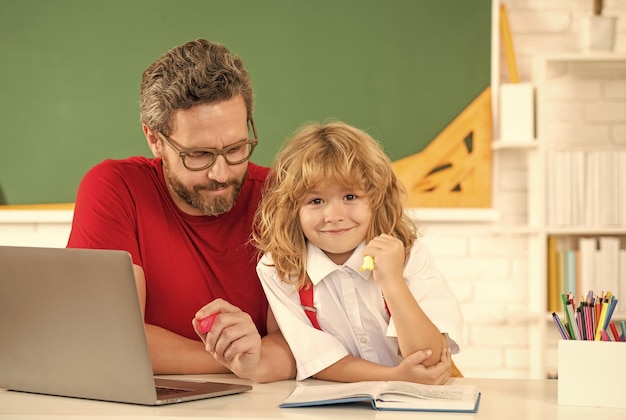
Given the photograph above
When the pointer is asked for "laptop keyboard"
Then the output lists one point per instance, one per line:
(161, 390)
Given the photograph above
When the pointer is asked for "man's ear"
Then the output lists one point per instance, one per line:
(154, 142)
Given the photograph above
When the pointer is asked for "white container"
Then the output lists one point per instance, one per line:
(592, 373)
(517, 112)
(598, 33)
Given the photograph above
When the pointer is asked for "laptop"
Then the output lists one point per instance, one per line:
(71, 325)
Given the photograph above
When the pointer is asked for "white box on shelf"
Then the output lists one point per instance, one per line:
(598, 33)
(517, 112)
(592, 373)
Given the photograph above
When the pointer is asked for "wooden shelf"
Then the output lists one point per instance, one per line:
(586, 230)
(583, 56)
(450, 215)
(512, 145)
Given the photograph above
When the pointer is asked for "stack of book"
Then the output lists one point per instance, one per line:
(579, 264)
(586, 188)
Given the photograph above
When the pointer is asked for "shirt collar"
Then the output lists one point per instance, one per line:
(319, 265)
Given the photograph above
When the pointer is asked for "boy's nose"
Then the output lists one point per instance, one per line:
(334, 213)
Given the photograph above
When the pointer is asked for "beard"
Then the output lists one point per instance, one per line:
(193, 196)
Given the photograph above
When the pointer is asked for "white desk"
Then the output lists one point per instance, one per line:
(501, 399)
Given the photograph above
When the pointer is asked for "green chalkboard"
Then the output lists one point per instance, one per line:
(70, 72)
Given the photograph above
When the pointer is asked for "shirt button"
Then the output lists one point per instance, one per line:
(363, 340)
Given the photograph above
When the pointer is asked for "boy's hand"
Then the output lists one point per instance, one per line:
(388, 252)
(411, 368)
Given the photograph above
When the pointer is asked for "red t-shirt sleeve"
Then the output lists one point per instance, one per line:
(104, 217)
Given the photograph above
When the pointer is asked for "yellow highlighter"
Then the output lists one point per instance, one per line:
(368, 263)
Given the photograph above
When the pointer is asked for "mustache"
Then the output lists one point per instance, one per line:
(214, 185)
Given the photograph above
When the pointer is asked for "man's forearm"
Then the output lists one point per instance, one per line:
(172, 354)
(276, 363)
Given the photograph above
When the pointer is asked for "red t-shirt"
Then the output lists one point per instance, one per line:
(188, 260)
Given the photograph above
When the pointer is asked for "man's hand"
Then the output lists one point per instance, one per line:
(233, 339)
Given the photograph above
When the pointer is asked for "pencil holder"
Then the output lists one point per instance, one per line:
(592, 373)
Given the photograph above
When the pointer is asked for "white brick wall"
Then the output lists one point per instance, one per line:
(551, 26)
(488, 269)
(44, 228)
(490, 278)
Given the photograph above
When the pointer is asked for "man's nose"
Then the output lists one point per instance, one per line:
(219, 171)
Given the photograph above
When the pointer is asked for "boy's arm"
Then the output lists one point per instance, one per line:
(414, 329)
(409, 318)
(411, 369)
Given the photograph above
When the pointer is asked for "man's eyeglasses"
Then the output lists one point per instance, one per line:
(200, 159)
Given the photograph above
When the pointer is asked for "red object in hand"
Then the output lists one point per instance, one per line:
(206, 323)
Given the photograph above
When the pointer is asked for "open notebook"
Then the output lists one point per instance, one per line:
(71, 325)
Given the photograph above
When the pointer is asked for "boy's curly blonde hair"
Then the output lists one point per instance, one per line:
(318, 155)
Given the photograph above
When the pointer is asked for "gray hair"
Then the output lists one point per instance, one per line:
(198, 72)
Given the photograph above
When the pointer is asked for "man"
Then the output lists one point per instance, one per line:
(185, 217)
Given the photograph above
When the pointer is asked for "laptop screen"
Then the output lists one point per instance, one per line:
(71, 325)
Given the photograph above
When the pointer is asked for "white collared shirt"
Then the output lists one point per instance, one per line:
(351, 309)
